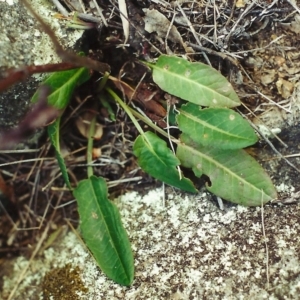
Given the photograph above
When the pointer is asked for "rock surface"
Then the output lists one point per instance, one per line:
(22, 43)
(185, 247)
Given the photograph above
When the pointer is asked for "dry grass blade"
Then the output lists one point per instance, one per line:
(34, 253)
(124, 19)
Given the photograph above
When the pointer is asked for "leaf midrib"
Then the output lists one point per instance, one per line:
(192, 82)
(216, 163)
(99, 209)
(213, 128)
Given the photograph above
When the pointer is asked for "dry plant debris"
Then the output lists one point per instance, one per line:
(254, 43)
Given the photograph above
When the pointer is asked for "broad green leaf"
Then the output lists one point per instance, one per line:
(233, 174)
(53, 133)
(62, 85)
(218, 127)
(195, 82)
(103, 232)
(156, 159)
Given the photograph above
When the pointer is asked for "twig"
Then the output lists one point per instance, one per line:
(265, 241)
(273, 102)
(23, 272)
(41, 154)
(60, 8)
(88, 17)
(13, 76)
(215, 23)
(270, 144)
(36, 250)
(170, 137)
(168, 32)
(253, 114)
(100, 12)
(49, 183)
(193, 31)
(20, 151)
(261, 48)
(26, 160)
(294, 5)
(33, 194)
(113, 183)
(212, 52)
(231, 13)
(227, 39)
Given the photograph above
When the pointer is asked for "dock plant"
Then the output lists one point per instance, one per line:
(210, 142)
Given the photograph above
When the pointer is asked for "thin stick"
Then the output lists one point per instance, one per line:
(23, 272)
(36, 250)
(292, 3)
(253, 114)
(168, 31)
(273, 102)
(26, 160)
(261, 48)
(265, 241)
(212, 52)
(238, 21)
(231, 13)
(100, 12)
(20, 151)
(13, 76)
(272, 146)
(193, 31)
(60, 8)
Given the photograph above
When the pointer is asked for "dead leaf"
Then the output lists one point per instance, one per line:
(157, 22)
(96, 153)
(143, 97)
(240, 3)
(295, 25)
(268, 77)
(279, 60)
(83, 124)
(157, 120)
(285, 88)
(6, 190)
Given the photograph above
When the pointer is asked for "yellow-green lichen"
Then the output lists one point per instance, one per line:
(63, 283)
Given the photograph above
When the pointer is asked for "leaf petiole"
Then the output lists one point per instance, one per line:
(128, 112)
(89, 153)
(153, 126)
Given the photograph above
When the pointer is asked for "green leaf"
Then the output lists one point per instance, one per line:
(103, 231)
(62, 85)
(233, 174)
(194, 82)
(107, 105)
(53, 133)
(218, 127)
(156, 159)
